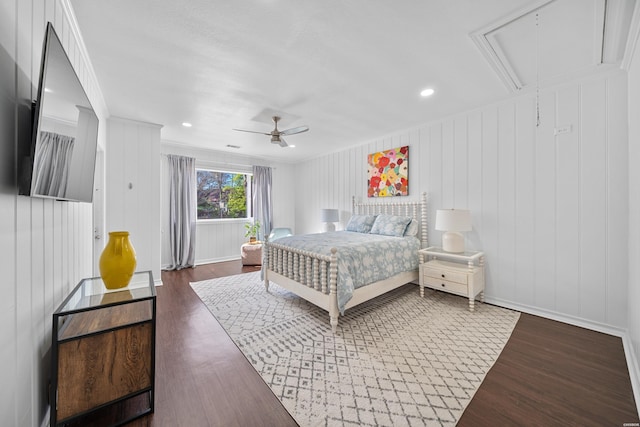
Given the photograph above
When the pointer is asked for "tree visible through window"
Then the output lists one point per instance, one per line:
(223, 194)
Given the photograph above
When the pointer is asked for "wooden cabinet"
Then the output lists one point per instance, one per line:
(464, 278)
(103, 353)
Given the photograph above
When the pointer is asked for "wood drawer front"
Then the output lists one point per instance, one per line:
(446, 285)
(447, 275)
(101, 368)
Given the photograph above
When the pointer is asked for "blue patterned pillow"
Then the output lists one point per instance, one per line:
(360, 223)
(390, 225)
(412, 228)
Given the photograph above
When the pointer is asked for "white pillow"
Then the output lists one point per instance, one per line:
(412, 228)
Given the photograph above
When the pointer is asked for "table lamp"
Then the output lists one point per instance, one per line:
(329, 216)
(452, 222)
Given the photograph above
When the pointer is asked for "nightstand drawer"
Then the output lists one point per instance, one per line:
(443, 274)
(445, 285)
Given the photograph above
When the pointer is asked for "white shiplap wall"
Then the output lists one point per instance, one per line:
(549, 211)
(132, 165)
(45, 246)
(221, 240)
(632, 345)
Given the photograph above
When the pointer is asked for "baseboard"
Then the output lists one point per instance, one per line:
(632, 365)
(212, 260)
(46, 422)
(560, 317)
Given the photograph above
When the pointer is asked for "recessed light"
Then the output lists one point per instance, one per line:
(291, 146)
(187, 125)
(427, 92)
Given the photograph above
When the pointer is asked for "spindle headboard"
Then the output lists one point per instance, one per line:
(417, 210)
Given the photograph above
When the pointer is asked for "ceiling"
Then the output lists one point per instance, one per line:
(352, 71)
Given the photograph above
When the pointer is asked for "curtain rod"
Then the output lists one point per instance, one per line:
(212, 162)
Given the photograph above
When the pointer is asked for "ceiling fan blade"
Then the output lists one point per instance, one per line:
(283, 143)
(295, 130)
(252, 131)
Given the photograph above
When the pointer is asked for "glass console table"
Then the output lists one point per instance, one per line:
(103, 353)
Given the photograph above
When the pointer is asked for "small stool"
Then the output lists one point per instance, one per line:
(251, 253)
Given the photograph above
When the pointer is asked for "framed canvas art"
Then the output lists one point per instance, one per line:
(388, 173)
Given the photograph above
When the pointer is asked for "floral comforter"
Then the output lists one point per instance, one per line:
(363, 258)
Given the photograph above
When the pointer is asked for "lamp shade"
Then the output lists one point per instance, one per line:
(329, 215)
(453, 220)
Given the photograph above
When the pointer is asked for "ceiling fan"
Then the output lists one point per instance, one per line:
(276, 135)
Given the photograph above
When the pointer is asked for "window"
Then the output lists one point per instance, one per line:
(223, 194)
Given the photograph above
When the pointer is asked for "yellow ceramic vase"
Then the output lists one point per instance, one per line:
(118, 260)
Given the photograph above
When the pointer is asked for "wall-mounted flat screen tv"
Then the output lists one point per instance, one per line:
(60, 160)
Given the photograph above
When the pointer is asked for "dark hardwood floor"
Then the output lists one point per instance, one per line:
(552, 374)
(202, 378)
(549, 373)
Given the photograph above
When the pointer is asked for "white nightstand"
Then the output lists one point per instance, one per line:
(465, 279)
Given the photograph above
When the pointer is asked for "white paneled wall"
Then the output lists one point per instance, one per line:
(221, 240)
(133, 188)
(632, 346)
(45, 246)
(550, 211)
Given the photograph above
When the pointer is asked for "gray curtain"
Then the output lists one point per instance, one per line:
(262, 210)
(182, 211)
(51, 164)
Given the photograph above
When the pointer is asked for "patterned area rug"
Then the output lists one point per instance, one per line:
(397, 360)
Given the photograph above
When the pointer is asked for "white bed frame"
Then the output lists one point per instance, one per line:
(305, 273)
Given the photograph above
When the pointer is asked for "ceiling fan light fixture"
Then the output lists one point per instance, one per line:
(276, 134)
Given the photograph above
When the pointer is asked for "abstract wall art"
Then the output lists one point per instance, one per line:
(388, 173)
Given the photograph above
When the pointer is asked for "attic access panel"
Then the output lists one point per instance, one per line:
(550, 39)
